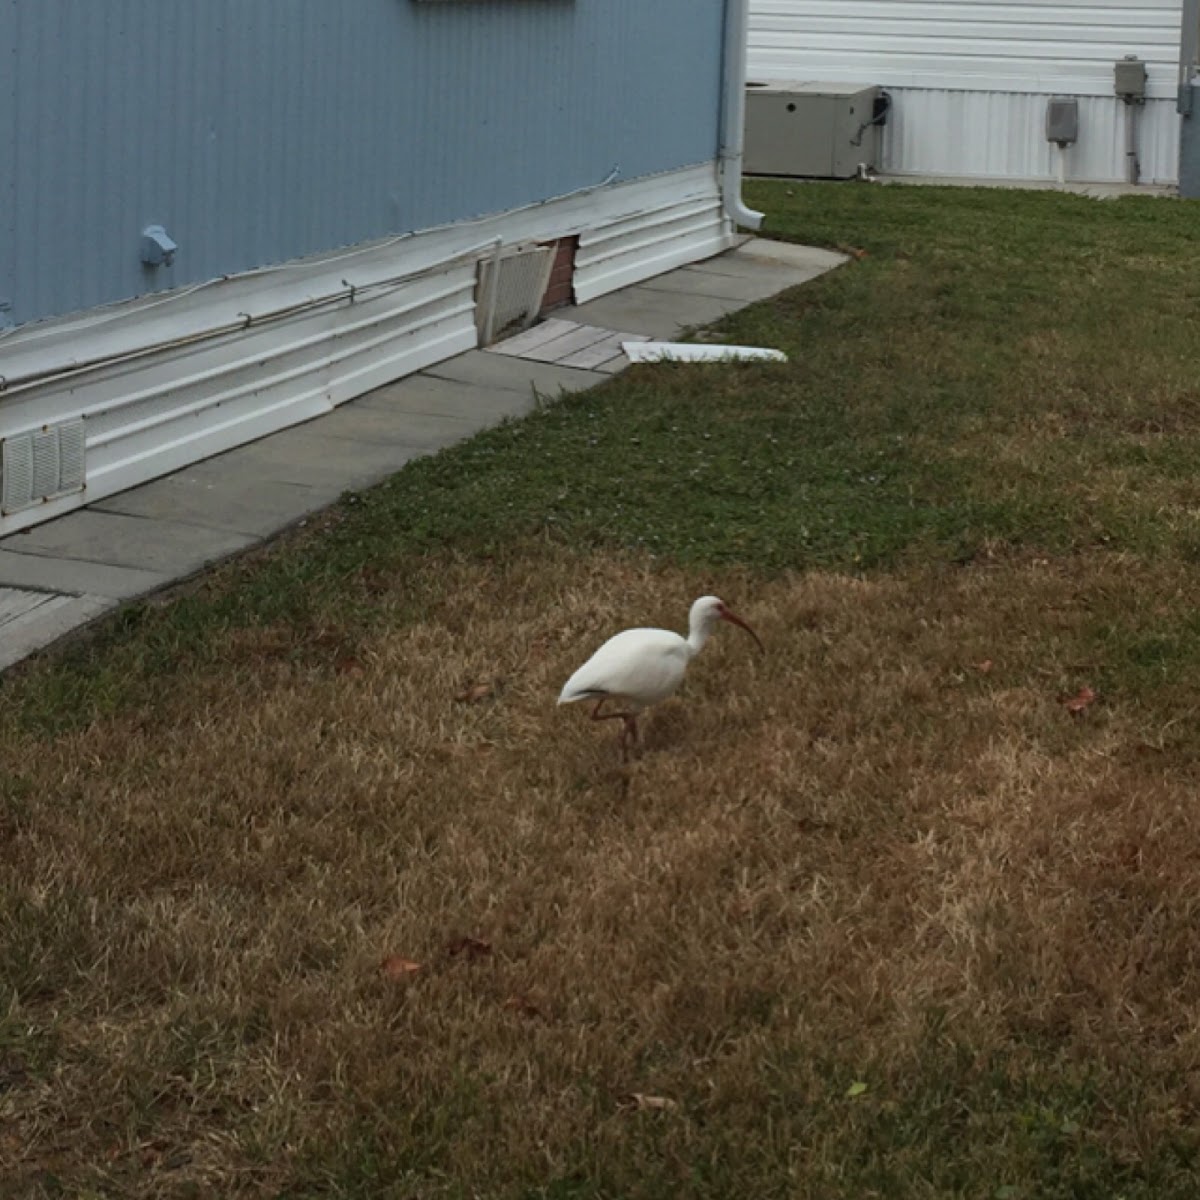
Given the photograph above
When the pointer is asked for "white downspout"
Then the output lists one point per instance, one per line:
(733, 115)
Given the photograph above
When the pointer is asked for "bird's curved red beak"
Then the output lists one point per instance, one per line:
(732, 617)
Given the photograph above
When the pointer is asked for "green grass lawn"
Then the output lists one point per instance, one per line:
(999, 368)
(886, 855)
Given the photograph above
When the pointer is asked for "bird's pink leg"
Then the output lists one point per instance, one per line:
(597, 715)
(629, 732)
(629, 736)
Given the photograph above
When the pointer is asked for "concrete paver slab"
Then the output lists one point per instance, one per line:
(785, 265)
(220, 497)
(559, 348)
(501, 371)
(788, 254)
(546, 331)
(431, 396)
(164, 547)
(780, 277)
(47, 624)
(305, 454)
(752, 286)
(16, 602)
(643, 310)
(607, 350)
(72, 576)
(339, 464)
(650, 322)
(376, 427)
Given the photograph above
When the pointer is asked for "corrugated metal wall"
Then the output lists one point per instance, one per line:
(1022, 46)
(1008, 57)
(1002, 135)
(258, 131)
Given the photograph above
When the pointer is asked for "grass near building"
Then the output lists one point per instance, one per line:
(308, 890)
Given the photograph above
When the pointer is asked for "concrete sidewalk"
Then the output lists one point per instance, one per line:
(59, 576)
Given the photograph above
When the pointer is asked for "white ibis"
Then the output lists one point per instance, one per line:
(641, 667)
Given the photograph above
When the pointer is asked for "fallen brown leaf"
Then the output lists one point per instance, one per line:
(985, 667)
(396, 967)
(474, 694)
(1077, 703)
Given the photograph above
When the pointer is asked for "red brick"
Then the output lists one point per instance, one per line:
(559, 290)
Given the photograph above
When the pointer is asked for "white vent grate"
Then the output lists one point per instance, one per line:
(45, 462)
(71, 447)
(41, 464)
(511, 290)
(16, 464)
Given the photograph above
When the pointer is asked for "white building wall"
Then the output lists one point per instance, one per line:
(970, 78)
(151, 385)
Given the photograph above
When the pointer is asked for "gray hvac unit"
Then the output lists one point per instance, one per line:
(824, 130)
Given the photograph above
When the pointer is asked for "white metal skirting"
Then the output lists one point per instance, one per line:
(163, 382)
(152, 415)
(648, 243)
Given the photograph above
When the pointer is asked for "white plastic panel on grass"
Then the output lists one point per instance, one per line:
(686, 352)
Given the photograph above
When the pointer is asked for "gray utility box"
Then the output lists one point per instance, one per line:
(819, 129)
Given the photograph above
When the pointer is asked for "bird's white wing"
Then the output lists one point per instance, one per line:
(642, 666)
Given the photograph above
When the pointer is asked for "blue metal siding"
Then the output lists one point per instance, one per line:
(259, 131)
(8, 156)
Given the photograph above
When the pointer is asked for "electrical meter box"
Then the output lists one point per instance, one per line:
(822, 130)
(1129, 78)
(1062, 120)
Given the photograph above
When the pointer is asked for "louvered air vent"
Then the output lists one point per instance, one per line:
(510, 292)
(41, 464)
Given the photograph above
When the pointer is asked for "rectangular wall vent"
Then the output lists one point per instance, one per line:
(41, 464)
(45, 463)
(16, 473)
(509, 296)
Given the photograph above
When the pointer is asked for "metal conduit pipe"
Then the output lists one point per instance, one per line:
(1133, 170)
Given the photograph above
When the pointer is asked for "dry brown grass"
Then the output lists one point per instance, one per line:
(861, 857)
